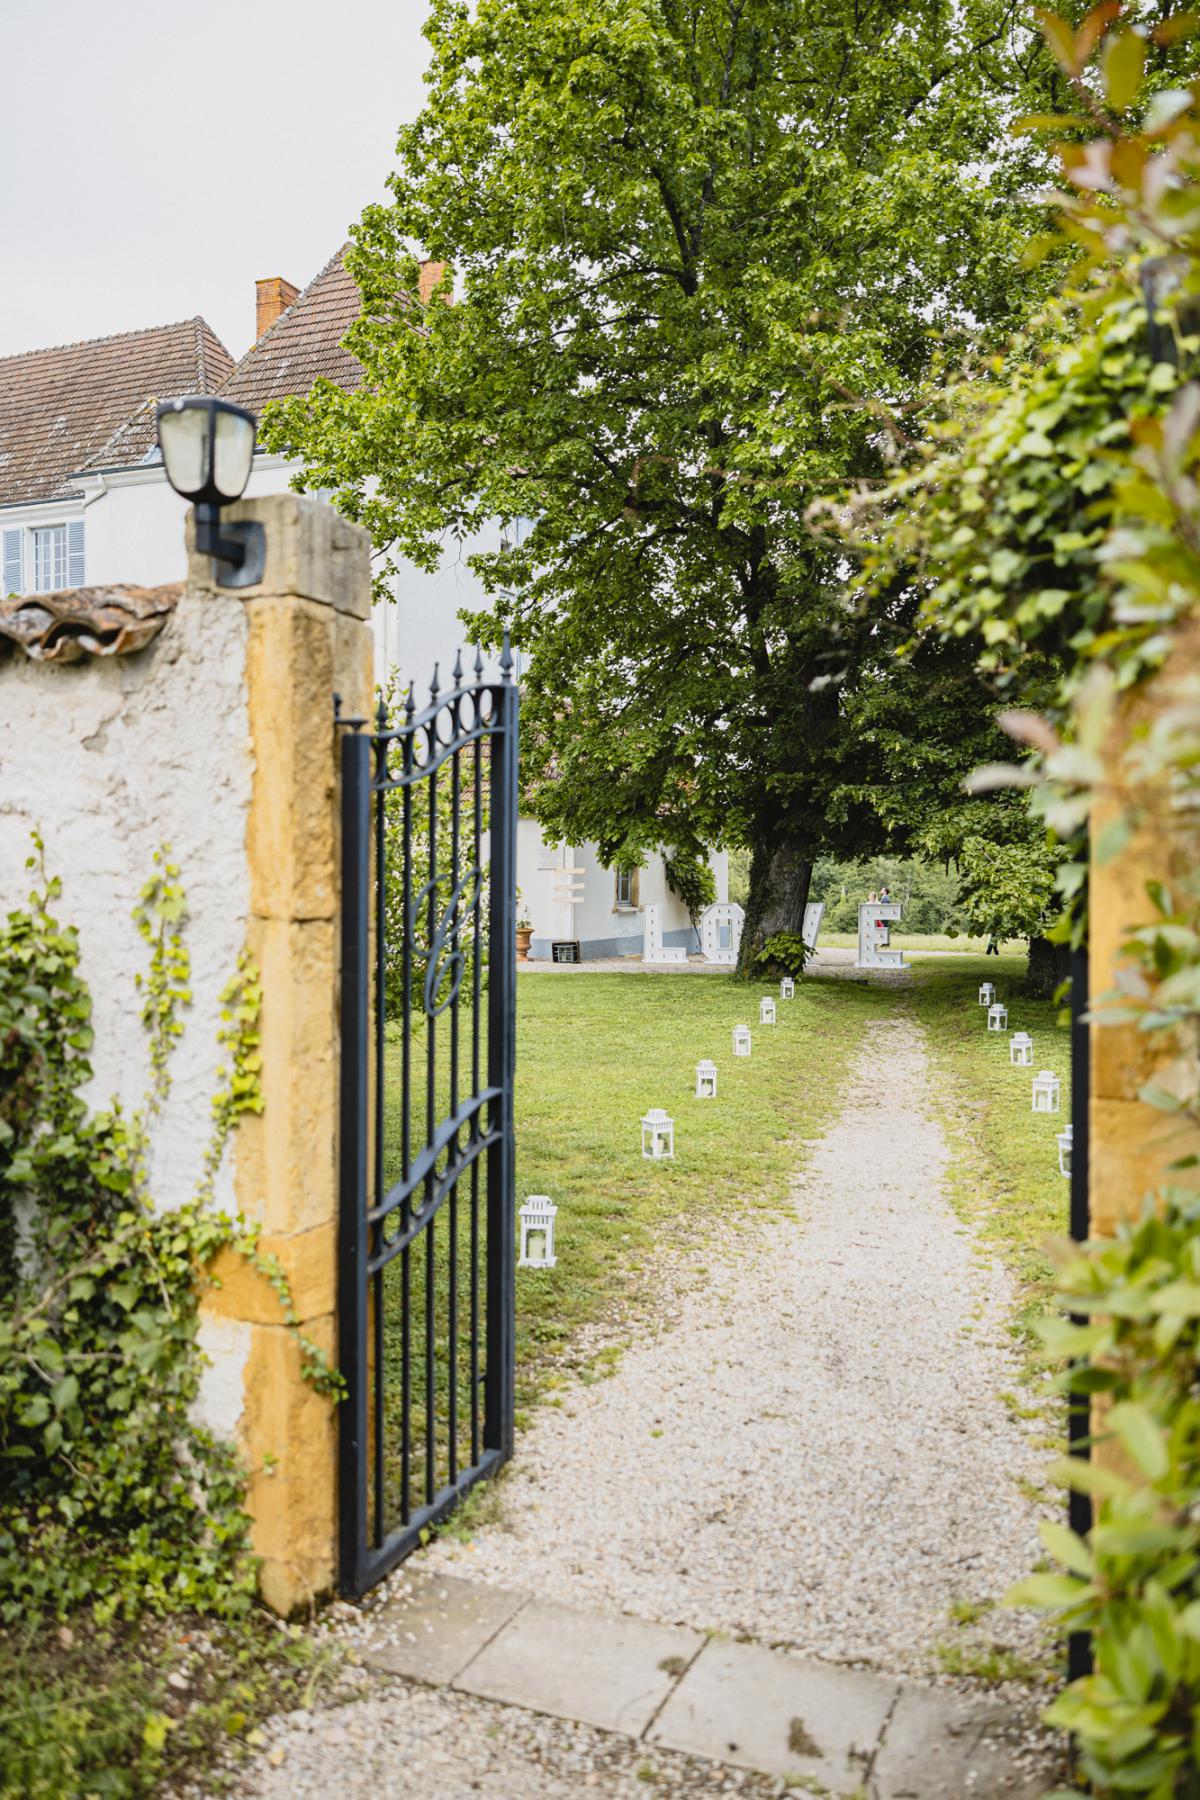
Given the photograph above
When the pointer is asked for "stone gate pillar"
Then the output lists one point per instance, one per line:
(1132, 1143)
(308, 637)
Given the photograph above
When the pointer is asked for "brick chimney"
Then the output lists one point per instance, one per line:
(431, 274)
(272, 296)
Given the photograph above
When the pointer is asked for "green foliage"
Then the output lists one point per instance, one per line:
(1135, 1582)
(690, 879)
(1055, 528)
(113, 1713)
(929, 894)
(113, 1497)
(784, 953)
(702, 255)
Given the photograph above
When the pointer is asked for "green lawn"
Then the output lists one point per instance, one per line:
(594, 1052)
(1005, 1170)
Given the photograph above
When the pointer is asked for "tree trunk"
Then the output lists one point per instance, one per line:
(780, 876)
(1049, 967)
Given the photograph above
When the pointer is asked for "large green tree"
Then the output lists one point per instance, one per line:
(701, 251)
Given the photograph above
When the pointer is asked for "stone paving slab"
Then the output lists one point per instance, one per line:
(605, 1669)
(842, 1731)
(762, 1709)
(434, 1625)
(941, 1746)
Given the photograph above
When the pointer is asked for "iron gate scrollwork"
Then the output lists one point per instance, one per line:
(426, 1257)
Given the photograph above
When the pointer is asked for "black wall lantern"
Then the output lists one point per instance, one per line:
(207, 448)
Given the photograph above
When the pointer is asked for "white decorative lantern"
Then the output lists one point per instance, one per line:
(787, 988)
(741, 1040)
(1064, 1151)
(1047, 1092)
(537, 1233)
(766, 1010)
(997, 1017)
(658, 1134)
(1020, 1049)
(987, 993)
(706, 1080)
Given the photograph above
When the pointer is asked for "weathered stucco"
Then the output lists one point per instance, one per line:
(109, 759)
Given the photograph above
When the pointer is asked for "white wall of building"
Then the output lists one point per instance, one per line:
(109, 759)
(597, 923)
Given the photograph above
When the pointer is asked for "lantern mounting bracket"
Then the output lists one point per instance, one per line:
(238, 550)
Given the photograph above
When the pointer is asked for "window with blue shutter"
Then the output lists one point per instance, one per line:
(13, 580)
(75, 553)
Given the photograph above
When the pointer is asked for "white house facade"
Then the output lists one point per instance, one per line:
(84, 501)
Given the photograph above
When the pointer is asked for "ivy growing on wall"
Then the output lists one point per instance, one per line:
(112, 1495)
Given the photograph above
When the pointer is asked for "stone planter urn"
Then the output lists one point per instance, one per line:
(524, 939)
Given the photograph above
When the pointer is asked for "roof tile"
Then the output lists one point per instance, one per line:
(90, 405)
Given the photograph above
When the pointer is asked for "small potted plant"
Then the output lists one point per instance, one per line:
(524, 930)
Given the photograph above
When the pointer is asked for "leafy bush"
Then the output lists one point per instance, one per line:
(1135, 1581)
(690, 879)
(784, 954)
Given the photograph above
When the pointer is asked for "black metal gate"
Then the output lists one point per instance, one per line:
(426, 1254)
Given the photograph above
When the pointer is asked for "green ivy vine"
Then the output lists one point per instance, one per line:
(112, 1495)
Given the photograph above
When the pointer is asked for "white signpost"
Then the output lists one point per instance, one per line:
(653, 948)
(721, 932)
(875, 920)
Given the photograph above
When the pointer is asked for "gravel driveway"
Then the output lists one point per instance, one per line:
(806, 1448)
(815, 1454)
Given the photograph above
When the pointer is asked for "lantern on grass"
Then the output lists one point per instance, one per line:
(1047, 1092)
(706, 1080)
(1064, 1151)
(537, 1232)
(658, 1134)
(997, 1019)
(1020, 1050)
(766, 1010)
(987, 993)
(787, 988)
(741, 1040)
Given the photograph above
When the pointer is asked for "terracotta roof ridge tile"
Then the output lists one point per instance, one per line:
(112, 337)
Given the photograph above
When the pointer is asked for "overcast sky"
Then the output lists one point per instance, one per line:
(156, 156)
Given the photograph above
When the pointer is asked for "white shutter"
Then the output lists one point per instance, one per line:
(13, 582)
(75, 553)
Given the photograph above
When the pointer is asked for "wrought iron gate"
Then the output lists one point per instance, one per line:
(425, 1255)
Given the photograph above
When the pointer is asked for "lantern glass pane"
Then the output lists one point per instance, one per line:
(185, 447)
(234, 454)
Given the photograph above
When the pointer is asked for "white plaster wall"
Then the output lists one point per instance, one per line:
(595, 920)
(109, 758)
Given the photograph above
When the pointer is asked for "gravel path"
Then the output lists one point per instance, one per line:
(406, 1741)
(815, 1455)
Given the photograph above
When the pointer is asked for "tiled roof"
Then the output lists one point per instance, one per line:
(89, 405)
(86, 621)
(305, 342)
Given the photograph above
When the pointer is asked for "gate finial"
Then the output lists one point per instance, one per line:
(506, 660)
(456, 677)
(381, 715)
(410, 704)
(433, 686)
(478, 663)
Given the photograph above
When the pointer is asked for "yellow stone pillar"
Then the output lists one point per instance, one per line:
(308, 637)
(1132, 1143)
